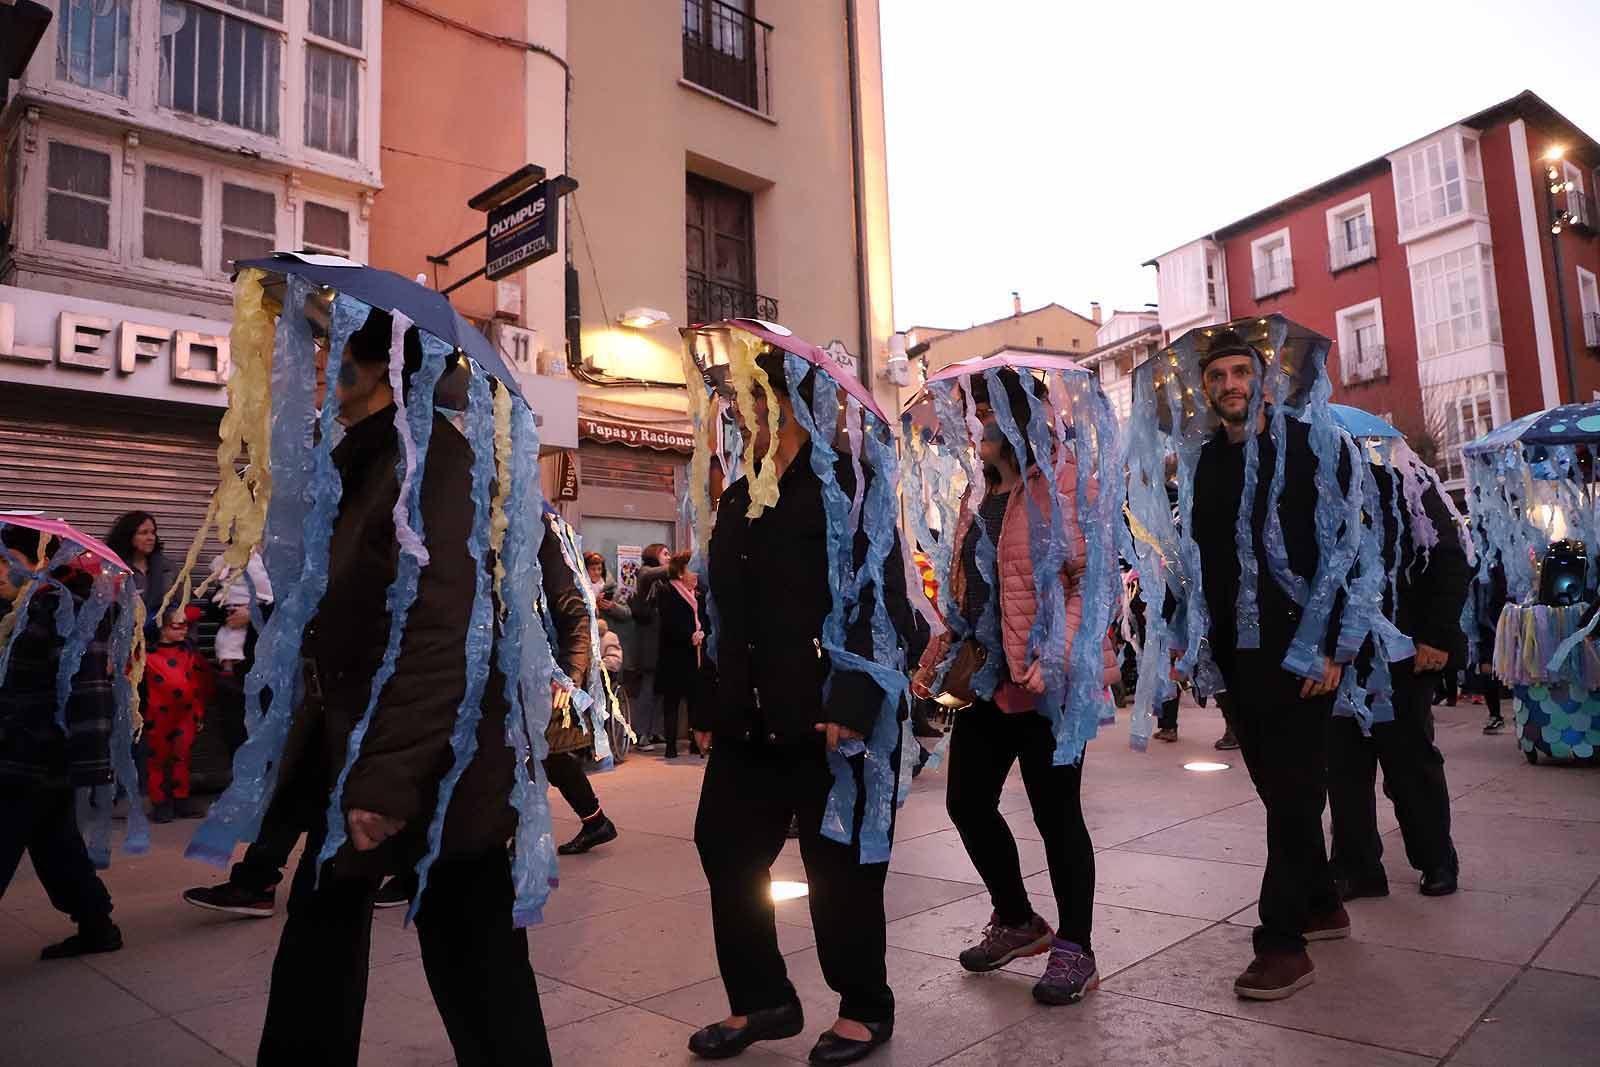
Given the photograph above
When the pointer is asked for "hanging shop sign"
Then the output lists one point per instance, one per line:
(522, 231)
(567, 477)
(636, 435)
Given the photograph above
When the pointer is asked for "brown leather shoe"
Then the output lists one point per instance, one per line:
(1275, 975)
(1330, 927)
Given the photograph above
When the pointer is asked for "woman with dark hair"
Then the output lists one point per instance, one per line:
(134, 537)
(682, 637)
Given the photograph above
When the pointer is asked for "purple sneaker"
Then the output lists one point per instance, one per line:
(1001, 944)
(1069, 975)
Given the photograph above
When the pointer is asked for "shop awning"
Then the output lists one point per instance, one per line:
(663, 437)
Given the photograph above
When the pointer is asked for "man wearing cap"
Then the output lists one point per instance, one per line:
(1280, 719)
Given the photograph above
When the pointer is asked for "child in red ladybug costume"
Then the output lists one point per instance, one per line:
(178, 685)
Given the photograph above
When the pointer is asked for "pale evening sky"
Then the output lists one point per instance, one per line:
(1051, 147)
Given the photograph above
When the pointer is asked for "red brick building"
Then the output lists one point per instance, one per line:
(1453, 305)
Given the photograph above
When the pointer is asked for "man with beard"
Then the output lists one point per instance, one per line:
(1280, 719)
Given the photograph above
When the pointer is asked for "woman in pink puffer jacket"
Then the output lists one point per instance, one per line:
(993, 734)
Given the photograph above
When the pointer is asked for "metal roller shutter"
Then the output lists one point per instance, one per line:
(87, 459)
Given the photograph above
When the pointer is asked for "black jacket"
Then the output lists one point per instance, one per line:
(406, 750)
(1489, 600)
(678, 663)
(769, 583)
(574, 651)
(1430, 598)
(1218, 485)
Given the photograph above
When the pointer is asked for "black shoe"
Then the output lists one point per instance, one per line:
(794, 827)
(719, 1042)
(592, 833)
(1440, 883)
(1356, 888)
(1494, 725)
(190, 808)
(86, 942)
(233, 899)
(396, 892)
(163, 812)
(671, 752)
(833, 1049)
(1227, 742)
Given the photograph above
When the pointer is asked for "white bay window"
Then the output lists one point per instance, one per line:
(1453, 298)
(1437, 182)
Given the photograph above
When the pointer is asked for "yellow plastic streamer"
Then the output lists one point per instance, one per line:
(136, 660)
(703, 412)
(1139, 532)
(498, 522)
(238, 509)
(746, 374)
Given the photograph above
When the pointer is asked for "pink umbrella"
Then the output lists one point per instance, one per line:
(58, 528)
(779, 337)
(920, 408)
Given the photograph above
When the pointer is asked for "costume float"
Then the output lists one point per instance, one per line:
(719, 360)
(286, 497)
(940, 432)
(1170, 423)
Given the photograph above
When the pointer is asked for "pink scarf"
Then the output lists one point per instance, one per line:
(694, 605)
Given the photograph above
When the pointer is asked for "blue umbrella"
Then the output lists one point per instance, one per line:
(1358, 423)
(1503, 436)
(1569, 424)
(383, 289)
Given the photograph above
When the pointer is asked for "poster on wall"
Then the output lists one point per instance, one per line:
(629, 559)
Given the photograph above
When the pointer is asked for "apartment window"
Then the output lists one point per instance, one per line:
(326, 229)
(1453, 297)
(1211, 282)
(719, 255)
(78, 196)
(1273, 263)
(174, 216)
(1438, 180)
(1362, 356)
(221, 66)
(725, 50)
(1579, 207)
(1350, 237)
(249, 224)
(333, 77)
(1589, 304)
(92, 44)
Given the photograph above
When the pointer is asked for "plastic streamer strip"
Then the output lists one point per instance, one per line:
(1372, 580)
(499, 518)
(236, 815)
(403, 590)
(987, 557)
(595, 694)
(1149, 510)
(1272, 542)
(67, 552)
(479, 427)
(915, 495)
(746, 374)
(124, 694)
(410, 542)
(1047, 550)
(80, 631)
(1414, 486)
(852, 430)
(1195, 663)
(1338, 526)
(1248, 610)
(698, 492)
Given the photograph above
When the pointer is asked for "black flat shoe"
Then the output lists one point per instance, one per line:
(595, 832)
(832, 1049)
(86, 942)
(720, 1042)
(1438, 883)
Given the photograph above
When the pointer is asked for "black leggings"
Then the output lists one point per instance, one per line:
(983, 746)
(1491, 692)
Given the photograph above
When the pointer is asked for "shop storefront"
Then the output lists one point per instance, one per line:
(630, 475)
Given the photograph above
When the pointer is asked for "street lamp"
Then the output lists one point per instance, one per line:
(1556, 183)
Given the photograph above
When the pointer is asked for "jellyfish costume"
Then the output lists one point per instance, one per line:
(77, 625)
(944, 486)
(286, 499)
(720, 365)
(1171, 422)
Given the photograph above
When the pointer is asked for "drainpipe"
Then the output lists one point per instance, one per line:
(858, 180)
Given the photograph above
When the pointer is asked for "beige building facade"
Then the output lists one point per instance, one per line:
(1051, 328)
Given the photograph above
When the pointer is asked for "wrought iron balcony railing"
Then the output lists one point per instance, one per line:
(725, 50)
(711, 302)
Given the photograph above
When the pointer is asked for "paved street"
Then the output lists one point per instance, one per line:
(1506, 970)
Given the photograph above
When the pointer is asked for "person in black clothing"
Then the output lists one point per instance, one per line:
(1489, 598)
(1426, 606)
(778, 710)
(41, 765)
(1280, 719)
(680, 606)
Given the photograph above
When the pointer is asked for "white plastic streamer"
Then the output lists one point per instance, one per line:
(410, 543)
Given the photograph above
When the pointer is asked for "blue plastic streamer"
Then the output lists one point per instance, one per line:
(479, 427)
(1248, 609)
(125, 775)
(236, 815)
(591, 709)
(81, 630)
(403, 590)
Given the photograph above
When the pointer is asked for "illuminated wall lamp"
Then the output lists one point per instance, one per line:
(643, 318)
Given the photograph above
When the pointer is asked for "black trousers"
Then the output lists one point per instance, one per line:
(984, 743)
(749, 793)
(1413, 778)
(565, 771)
(476, 963)
(1168, 717)
(43, 822)
(1284, 739)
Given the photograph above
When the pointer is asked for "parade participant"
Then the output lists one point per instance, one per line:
(1280, 718)
(802, 690)
(1424, 553)
(1488, 601)
(178, 688)
(992, 574)
(47, 751)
